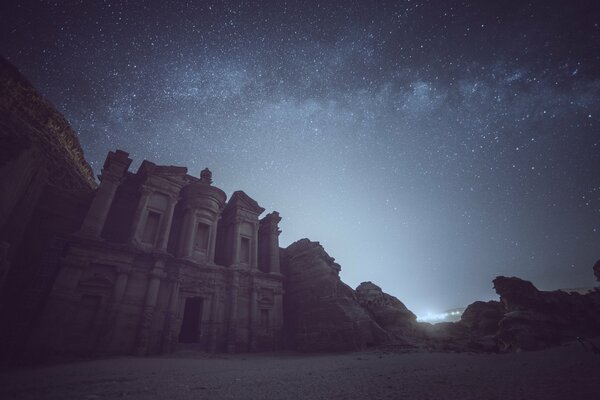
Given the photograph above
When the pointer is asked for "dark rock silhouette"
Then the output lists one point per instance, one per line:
(389, 312)
(323, 313)
(482, 318)
(46, 186)
(537, 319)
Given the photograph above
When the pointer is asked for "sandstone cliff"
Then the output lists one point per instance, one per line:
(28, 119)
(324, 314)
(45, 187)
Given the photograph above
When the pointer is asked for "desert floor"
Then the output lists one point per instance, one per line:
(567, 372)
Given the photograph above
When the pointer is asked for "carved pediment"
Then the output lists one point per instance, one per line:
(239, 199)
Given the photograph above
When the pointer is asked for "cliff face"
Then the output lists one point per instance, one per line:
(45, 188)
(30, 120)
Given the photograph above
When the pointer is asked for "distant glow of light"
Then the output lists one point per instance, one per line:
(438, 317)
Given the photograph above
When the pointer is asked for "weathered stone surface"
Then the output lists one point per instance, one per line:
(322, 313)
(44, 126)
(537, 319)
(483, 317)
(389, 312)
(45, 187)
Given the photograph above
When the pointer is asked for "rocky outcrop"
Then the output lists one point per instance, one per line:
(536, 319)
(482, 318)
(321, 312)
(475, 331)
(389, 312)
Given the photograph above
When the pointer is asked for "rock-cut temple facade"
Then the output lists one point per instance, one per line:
(163, 259)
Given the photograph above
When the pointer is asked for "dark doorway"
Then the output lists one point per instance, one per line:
(192, 315)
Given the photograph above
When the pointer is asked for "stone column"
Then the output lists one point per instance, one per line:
(186, 240)
(252, 316)
(236, 241)
(213, 241)
(169, 332)
(114, 169)
(270, 233)
(254, 249)
(277, 319)
(96, 216)
(139, 217)
(148, 312)
(165, 226)
(114, 308)
(212, 341)
(232, 332)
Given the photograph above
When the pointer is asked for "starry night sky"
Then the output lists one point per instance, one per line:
(428, 145)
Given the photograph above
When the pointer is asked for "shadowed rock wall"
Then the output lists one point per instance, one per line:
(46, 185)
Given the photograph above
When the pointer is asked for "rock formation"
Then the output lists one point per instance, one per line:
(321, 312)
(45, 187)
(389, 312)
(29, 120)
(536, 319)
(482, 318)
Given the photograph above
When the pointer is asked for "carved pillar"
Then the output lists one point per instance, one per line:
(232, 333)
(213, 241)
(186, 245)
(275, 267)
(252, 316)
(114, 308)
(214, 321)
(148, 312)
(137, 224)
(96, 216)
(277, 319)
(165, 226)
(254, 249)
(114, 169)
(169, 331)
(236, 241)
(269, 232)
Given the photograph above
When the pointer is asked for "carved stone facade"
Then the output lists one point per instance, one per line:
(163, 260)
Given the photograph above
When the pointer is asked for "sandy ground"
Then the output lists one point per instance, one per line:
(566, 372)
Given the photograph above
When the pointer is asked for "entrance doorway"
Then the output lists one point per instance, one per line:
(192, 316)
